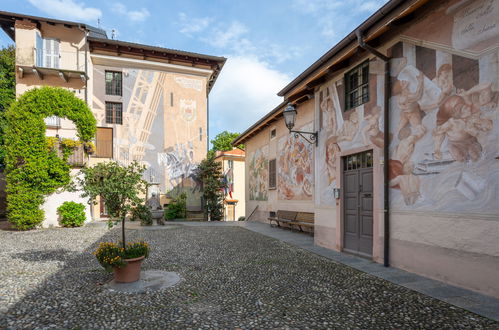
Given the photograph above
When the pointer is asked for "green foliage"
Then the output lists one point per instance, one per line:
(177, 209)
(119, 187)
(68, 147)
(7, 91)
(222, 142)
(33, 168)
(111, 255)
(209, 172)
(142, 213)
(241, 218)
(71, 214)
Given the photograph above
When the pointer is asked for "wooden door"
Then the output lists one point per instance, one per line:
(358, 203)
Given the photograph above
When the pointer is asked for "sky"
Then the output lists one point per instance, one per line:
(267, 43)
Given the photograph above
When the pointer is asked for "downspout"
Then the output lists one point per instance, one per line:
(85, 32)
(386, 154)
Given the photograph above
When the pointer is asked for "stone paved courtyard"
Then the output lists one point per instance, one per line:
(231, 278)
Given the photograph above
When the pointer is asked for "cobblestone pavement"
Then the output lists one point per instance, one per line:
(232, 278)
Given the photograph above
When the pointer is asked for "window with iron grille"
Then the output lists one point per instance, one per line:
(357, 86)
(114, 113)
(272, 174)
(273, 133)
(114, 83)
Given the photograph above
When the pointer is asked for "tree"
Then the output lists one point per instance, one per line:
(222, 142)
(118, 186)
(209, 173)
(7, 90)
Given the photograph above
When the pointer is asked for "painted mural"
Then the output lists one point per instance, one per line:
(344, 130)
(444, 154)
(295, 179)
(161, 125)
(259, 174)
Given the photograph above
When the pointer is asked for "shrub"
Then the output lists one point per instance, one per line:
(71, 214)
(209, 172)
(143, 214)
(241, 218)
(178, 208)
(111, 255)
(33, 169)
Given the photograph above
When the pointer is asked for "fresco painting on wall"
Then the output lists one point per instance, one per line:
(259, 174)
(295, 180)
(445, 141)
(163, 137)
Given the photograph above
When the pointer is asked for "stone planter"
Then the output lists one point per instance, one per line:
(130, 272)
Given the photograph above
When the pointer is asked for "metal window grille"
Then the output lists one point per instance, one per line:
(358, 161)
(357, 86)
(272, 133)
(114, 113)
(114, 83)
(272, 174)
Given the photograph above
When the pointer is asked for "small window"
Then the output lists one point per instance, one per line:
(114, 113)
(357, 86)
(272, 174)
(273, 133)
(114, 83)
(200, 134)
(231, 163)
(171, 99)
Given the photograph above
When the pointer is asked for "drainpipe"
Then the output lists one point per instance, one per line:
(86, 62)
(386, 154)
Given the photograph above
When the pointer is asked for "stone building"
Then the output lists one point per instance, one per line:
(151, 103)
(405, 171)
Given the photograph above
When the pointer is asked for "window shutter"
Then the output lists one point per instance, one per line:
(39, 49)
(272, 173)
(51, 53)
(55, 53)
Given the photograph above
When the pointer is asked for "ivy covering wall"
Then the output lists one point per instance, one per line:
(33, 169)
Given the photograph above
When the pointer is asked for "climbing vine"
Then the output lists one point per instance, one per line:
(33, 168)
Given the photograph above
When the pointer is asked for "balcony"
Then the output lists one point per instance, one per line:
(77, 159)
(53, 122)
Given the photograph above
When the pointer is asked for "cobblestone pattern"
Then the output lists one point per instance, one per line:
(232, 278)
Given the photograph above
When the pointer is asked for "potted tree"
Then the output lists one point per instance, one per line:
(119, 187)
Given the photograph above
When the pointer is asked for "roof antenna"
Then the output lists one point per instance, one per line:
(98, 23)
(113, 34)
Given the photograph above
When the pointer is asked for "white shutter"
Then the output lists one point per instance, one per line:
(55, 53)
(51, 53)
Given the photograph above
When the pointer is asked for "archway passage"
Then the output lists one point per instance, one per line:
(33, 169)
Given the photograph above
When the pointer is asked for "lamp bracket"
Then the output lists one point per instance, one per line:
(312, 136)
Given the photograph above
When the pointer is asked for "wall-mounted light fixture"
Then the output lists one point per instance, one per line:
(289, 114)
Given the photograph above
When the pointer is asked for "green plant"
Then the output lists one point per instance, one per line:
(223, 141)
(71, 214)
(209, 173)
(68, 147)
(7, 91)
(177, 209)
(142, 213)
(33, 169)
(241, 218)
(118, 186)
(111, 255)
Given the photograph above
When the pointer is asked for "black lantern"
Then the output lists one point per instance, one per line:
(289, 114)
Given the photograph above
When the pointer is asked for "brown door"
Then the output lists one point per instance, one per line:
(104, 142)
(358, 203)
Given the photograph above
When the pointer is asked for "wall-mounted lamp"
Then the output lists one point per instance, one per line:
(289, 114)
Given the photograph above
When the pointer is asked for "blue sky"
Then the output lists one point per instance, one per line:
(267, 42)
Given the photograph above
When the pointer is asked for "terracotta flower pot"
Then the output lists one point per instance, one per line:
(130, 272)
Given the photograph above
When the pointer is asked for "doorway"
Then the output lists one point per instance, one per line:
(358, 203)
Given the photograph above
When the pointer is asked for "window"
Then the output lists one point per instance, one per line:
(272, 133)
(357, 86)
(114, 113)
(47, 52)
(231, 163)
(104, 142)
(200, 134)
(114, 83)
(272, 174)
(171, 99)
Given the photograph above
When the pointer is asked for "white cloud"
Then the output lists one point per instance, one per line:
(244, 92)
(133, 15)
(189, 26)
(230, 35)
(68, 9)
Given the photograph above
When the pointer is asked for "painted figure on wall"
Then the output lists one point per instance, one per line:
(295, 167)
(259, 175)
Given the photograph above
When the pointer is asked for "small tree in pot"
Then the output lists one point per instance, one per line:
(119, 187)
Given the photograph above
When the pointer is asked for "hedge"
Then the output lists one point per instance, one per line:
(33, 169)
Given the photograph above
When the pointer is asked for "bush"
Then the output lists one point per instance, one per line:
(71, 214)
(241, 218)
(178, 208)
(111, 255)
(143, 214)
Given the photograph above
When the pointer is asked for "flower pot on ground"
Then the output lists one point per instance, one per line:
(125, 262)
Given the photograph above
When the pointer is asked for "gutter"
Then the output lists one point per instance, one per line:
(386, 136)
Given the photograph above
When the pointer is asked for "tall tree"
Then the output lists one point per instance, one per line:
(7, 90)
(209, 173)
(222, 142)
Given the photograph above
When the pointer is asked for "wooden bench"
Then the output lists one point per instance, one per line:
(293, 218)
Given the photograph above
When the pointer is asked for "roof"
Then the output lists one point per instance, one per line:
(215, 63)
(8, 19)
(235, 152)
(377, 24)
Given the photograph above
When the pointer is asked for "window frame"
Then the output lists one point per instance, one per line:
(114, 116)
(273, 174)
(113, 90)
(361, 86)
